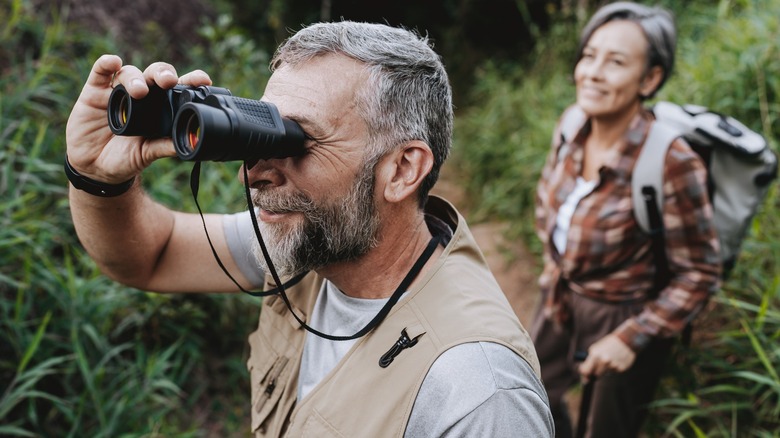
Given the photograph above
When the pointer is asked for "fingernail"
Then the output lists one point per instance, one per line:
(137, 83)
(167, 73)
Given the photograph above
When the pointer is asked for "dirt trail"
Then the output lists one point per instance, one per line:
(512, 264)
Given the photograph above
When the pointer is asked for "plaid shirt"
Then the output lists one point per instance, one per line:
(607, 255)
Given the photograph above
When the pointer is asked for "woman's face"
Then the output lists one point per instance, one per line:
(610, 76)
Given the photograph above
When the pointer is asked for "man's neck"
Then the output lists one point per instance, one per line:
(378, 273)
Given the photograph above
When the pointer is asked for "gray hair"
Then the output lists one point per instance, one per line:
(408, 95)
(656, 23)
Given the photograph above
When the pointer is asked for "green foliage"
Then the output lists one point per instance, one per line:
(79, 354)
(726, 383)
(732, 64)
(241, 64)
(502, 137)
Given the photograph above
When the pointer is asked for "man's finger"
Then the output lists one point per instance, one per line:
(195, 77)
(103, 71)
(133, 80)
(162, 74)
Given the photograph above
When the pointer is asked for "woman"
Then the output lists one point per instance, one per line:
(599, 272)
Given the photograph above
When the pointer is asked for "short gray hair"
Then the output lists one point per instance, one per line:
(408, 95)
(656, 23)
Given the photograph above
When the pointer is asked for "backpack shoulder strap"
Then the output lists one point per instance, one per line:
(571, 123)
(649, 171)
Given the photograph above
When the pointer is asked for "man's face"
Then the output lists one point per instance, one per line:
(331, 231)
(317, 209)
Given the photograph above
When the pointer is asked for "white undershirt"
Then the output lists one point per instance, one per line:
(566, 211)
(336, 314)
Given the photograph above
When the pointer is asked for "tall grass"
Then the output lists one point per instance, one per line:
(726, 383)
(79, 354)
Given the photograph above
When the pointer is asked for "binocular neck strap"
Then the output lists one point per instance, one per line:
(380, 316)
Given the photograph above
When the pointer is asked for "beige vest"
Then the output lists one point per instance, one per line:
(457, 301)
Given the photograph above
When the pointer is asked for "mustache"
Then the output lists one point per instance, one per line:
(276, 202)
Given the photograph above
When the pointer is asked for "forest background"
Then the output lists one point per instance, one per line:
(83, 356)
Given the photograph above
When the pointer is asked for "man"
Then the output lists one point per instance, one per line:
(450, 358)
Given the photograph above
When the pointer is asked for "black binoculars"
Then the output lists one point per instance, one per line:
(206, 123)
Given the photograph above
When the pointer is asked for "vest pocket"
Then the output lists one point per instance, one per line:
(317, 427)
(268, 379)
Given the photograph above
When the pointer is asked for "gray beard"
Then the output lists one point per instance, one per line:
(341, 230)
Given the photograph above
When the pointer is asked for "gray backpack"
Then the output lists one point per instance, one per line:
(740, 166)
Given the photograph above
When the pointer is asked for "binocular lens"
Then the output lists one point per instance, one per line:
(193, 132)
(123, 110)
(119, 110)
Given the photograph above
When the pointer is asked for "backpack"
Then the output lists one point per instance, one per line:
(740, 167)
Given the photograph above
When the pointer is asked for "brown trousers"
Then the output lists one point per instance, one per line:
(618, 402)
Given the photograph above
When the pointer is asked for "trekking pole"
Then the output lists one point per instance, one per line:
(587, 395)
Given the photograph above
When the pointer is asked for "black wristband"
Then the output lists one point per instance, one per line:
(93, 187)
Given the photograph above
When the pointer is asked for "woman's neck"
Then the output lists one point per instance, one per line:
(601, 144)
(607, 130)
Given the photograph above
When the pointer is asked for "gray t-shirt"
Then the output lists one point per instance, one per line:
(473, 389)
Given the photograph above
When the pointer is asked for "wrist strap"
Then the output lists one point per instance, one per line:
(93, 187)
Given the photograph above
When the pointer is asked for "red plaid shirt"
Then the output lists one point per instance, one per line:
(607, 255)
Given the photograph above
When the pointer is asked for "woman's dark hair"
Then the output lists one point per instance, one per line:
(656, 23)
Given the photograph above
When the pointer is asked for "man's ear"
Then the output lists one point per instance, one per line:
(651, 81)
(403, 171)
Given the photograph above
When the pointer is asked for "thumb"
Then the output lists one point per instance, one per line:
(586, 368)
(156, 148)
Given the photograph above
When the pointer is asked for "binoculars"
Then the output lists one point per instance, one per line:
(206, 123)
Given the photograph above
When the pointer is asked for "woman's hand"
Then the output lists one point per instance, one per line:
(93, 150)
(607, 354)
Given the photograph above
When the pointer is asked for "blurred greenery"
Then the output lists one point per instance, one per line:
(83, 356)
(79, 354)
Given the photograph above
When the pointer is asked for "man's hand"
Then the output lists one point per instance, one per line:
(93, 150)
(607, 354)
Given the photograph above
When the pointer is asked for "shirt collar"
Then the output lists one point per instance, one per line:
(629, 145)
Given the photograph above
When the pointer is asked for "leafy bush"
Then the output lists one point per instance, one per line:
(79, 354)
(503, 135)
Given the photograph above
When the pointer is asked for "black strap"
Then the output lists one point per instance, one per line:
(93, 187)
(662, 274)
(385, 310)
(280, 290)
(194, 186)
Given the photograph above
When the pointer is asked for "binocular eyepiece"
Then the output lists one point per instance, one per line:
(206, 123)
